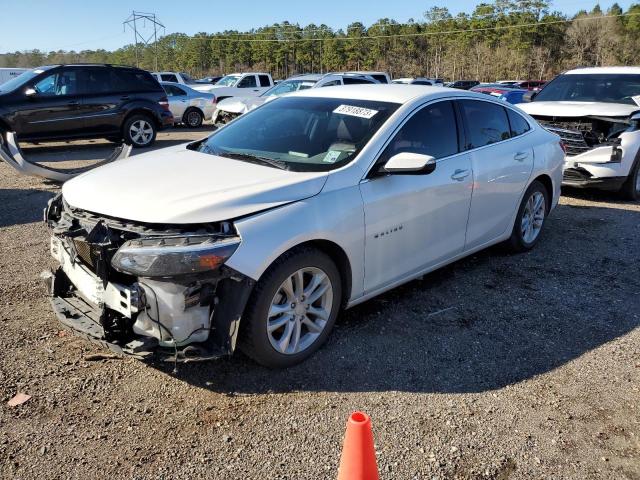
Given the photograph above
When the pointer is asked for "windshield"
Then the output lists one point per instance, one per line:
(289, 86)
(302, 134)
(187, 78)
(20, 80)
(228, 80)
(599, 87)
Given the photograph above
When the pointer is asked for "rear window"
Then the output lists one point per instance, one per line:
(486, 123)
(594, 87)
(355, 81)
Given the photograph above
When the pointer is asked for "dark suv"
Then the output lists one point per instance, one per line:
(61, 102)
(464, 84)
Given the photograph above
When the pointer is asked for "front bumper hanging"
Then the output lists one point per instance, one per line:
(12, 156)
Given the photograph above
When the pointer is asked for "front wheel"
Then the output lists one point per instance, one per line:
(292, 309)
(139, 131)
(530, 219)
(631, 188)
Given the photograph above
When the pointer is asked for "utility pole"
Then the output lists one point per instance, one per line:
(141, 37)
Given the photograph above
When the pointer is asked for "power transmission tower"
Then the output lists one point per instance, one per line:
(139, 36)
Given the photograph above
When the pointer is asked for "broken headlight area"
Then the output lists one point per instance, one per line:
(583, 134)
(146, 290)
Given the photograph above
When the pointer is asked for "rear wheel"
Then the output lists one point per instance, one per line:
(139, 131)
(193, 118)
(292, 309)
(530, 219)
(631, 187)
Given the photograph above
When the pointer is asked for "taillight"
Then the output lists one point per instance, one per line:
(164, 103)
(563, 146)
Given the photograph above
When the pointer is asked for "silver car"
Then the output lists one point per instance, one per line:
(189, 106)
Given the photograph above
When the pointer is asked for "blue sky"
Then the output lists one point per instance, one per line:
(91, 24)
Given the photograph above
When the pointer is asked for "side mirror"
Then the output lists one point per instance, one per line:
(30, 92)
(409, 163)
(529, 96)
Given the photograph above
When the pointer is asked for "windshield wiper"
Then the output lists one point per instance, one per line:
(249, 157)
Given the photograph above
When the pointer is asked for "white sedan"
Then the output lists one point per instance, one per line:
(261, 233)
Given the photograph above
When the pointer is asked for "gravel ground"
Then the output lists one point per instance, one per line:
(499, 366)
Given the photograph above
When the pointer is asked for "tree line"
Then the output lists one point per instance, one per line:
(505, 39)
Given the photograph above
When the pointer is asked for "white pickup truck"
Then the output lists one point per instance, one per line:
(250, 84)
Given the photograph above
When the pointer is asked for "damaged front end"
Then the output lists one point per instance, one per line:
(146, 290)
(595, 147)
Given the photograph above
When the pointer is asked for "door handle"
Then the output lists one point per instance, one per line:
(459, 175)
(125, 97)
(73, 103)
(521, 156)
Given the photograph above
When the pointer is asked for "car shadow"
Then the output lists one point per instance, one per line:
(22, 206)
(487, 321)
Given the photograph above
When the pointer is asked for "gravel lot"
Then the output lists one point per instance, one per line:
(499, 366)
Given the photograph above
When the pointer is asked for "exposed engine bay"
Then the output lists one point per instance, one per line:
(146, 290)
(582, 134)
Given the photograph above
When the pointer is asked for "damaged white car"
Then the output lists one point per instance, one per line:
(259, 234)
(596, 112)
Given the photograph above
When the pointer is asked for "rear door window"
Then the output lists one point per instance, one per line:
(248, 82)
(169, 77)
(101, 81)
(486, 123)
(173, 91)
(517, 123)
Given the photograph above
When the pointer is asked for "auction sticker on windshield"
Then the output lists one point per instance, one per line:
(355, 111)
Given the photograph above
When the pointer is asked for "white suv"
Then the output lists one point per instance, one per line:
(313, 202)
(596, 112)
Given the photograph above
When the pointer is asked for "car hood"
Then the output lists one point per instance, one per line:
(180, 186)
(578, 109)
(240, 104)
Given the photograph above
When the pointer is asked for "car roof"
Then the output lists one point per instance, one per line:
(587, 70)
(383, 92)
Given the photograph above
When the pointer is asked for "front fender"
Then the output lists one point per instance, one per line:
(336, 216)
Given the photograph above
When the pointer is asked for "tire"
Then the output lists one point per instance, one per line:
(523, 239)
(269, 295)
(631, 187)
(193, 118)
(133, 125)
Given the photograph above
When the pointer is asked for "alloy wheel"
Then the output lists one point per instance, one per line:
(193, 119)
(533, 217)
(141, 132)
(300, 310)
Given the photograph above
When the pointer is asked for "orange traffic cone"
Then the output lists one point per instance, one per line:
(358, 460)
